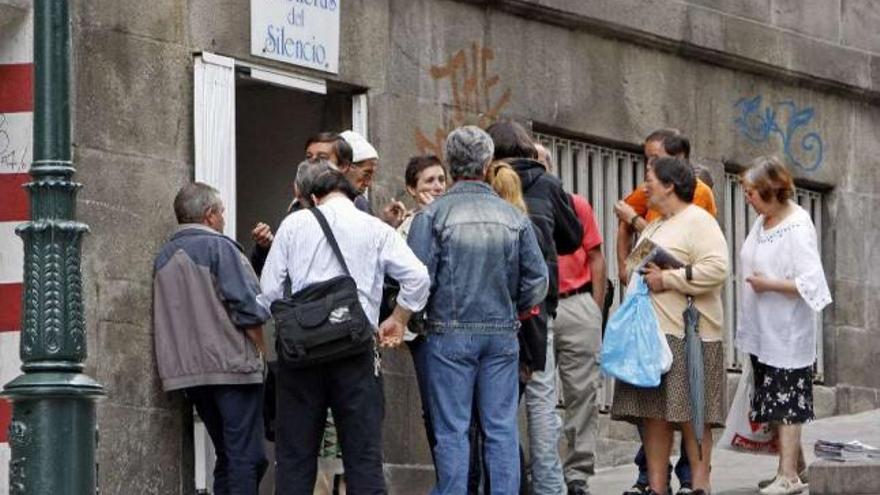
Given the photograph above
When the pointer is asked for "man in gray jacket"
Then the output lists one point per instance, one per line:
(208, 335)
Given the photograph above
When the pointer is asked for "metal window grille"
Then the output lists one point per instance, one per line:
(738, 220)
(603, 175)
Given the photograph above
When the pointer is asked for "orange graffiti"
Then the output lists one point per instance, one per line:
(472, 102)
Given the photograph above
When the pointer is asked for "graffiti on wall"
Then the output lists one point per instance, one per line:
(13, 159)
(475, 98)
(758, 122)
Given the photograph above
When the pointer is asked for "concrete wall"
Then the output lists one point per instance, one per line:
(610, 69)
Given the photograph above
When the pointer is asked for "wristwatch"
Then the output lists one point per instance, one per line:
(632, 221)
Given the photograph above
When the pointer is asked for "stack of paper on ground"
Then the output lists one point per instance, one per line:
(850, 451)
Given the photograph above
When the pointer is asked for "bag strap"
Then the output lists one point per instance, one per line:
(330, 237)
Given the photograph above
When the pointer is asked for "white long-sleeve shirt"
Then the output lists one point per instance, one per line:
(778, 328)
(371, 250)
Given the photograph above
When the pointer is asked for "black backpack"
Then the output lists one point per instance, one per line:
(323, 322)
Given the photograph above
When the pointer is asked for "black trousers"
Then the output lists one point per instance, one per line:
(354, 394)
(233, 416)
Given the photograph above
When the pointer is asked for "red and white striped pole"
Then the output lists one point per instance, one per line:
(16, 129)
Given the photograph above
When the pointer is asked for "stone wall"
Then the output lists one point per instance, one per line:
(605, 69)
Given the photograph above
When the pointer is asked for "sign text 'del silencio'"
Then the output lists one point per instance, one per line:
(300, 32)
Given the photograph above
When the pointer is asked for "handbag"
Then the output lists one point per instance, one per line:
(324, 321)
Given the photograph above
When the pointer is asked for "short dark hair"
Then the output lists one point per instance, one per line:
(512, 141)
(679, 174)
(340, 145)
(674, 141)
(333, 181)
(417, 165)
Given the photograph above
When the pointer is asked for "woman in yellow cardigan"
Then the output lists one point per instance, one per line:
(694, 237)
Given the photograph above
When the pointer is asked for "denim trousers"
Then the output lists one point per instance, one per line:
(545, 426)
(354, 394)
(463, 367)
(233, 416)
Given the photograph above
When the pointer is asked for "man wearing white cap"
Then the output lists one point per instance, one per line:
(364, 159)
(360, 172)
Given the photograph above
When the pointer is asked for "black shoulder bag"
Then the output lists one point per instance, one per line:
(323, 322)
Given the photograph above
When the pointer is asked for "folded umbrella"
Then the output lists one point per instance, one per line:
(696, 377)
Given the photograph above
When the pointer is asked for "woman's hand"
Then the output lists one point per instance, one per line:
(761, 283)
(653, 277)
(425, 198)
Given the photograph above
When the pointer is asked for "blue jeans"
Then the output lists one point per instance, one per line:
(682, 467)
(462, 366)
(233, 416)
(545, 426)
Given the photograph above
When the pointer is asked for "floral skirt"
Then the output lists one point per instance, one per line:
(782, 395)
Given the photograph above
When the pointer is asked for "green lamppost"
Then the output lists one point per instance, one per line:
(53, 430)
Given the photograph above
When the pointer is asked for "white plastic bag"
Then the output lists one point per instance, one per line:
(740, 433)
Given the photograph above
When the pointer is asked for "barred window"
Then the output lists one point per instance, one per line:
(601, 174)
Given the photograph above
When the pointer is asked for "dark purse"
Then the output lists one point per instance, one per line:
(323, 322)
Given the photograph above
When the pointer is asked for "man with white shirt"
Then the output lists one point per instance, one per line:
(351, 387)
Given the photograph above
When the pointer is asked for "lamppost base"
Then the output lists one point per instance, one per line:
(53, 433)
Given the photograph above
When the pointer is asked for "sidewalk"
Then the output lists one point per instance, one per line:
(737, 474)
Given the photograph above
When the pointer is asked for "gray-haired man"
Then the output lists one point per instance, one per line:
(486, 268)
(208, 335)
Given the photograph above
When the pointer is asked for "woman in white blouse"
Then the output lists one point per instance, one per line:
(783, 293)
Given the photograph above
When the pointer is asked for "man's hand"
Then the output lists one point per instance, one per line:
(624, 212)
(393, 213)
(391, 332)
(262, 235)
(653, 277)
(255, 334)
(392, 329)
(525, 372)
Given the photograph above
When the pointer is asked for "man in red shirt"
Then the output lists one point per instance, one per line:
(577, 340)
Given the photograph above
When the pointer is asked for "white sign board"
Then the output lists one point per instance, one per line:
(299, 32)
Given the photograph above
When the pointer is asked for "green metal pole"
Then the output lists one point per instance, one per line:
(53, 431)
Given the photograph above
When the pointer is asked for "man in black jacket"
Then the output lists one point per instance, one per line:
(559, 232)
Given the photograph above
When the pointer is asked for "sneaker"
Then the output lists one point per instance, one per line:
(783, 486)
(578, 487)
(802, 475)
(638, 489)
(685, 489)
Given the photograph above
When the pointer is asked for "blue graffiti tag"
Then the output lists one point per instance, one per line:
(757, 126)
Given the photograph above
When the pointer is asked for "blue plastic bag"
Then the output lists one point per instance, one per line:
(632, 350)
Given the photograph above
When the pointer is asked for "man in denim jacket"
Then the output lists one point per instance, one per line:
(486, 268)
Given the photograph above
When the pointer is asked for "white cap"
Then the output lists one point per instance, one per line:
(360, 149)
